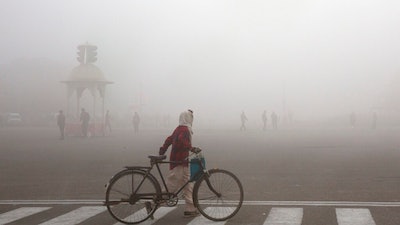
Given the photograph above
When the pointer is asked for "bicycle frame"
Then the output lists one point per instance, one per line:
(197, 175)
(167, 193)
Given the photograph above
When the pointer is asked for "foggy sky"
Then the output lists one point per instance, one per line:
(313, 57)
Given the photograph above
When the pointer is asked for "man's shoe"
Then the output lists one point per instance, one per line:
(148, 209)
(191, 213)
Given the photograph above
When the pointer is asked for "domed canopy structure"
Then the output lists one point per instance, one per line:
(86, 76)
(86, 72)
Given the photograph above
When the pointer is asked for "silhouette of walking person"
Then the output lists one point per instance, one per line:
(264, 120)
(243, 119)
(274, 119)
(107, 122)
(84, 118)
(61, 123)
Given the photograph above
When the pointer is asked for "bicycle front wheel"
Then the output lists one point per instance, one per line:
(218, 195)
(131, 196)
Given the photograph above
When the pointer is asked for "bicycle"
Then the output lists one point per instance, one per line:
(134, 193)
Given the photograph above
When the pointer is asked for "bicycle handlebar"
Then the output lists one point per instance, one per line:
(159, 158)
(196, 150)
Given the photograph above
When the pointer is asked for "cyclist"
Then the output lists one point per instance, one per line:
(181, 141)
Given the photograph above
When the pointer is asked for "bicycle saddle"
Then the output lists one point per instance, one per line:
(157, 158)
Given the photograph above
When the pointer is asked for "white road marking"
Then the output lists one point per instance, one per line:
(277, 216)
(284, 216)
(20, 213)
(200, 220)
(324, 203)
(76, 216)
(352, 216)
(52, 202)
(159, 213)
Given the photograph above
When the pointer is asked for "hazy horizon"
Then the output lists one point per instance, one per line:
(219, 58)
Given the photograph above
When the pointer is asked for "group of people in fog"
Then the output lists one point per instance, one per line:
(274, 120)
(264, 118)
(84, 119)
(136, 120)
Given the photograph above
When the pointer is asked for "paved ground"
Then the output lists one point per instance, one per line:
(287, 165)
(310, 164)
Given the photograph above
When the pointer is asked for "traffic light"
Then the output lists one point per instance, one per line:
(87, 54)
(91, 54)
(81, 54)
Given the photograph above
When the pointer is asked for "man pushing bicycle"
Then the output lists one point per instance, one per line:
(179, 174)
(134, 193)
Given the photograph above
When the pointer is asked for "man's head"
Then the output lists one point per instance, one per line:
(186, 118)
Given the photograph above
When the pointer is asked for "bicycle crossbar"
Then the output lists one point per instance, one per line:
(138, 167)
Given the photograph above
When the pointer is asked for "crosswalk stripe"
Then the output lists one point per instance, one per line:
(284, 216)
(276, 216)
(202, 220)
(20, 213)
(354, 216)
(76, 216)
(160, 212)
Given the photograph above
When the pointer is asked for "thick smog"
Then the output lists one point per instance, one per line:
(296, 102)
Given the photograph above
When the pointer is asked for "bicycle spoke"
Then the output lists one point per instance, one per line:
(116, 202)
(127, 206)
(120, 192)
(219, 195)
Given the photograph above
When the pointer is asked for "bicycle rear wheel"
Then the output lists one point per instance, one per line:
(131, 196)
(218, 195)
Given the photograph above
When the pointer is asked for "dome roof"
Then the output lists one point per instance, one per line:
(86, 72)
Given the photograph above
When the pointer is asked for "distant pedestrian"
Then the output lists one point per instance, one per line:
(274, 120)
(61, 123)
(353, 120)
(243, 119)
(84, 118)
(264, 120)
(107, 122)
(136, 122)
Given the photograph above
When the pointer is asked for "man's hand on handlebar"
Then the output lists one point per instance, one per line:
(161, 151)
(196, 150)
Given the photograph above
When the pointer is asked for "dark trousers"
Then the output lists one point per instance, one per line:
(62, 128)
(84, 129)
